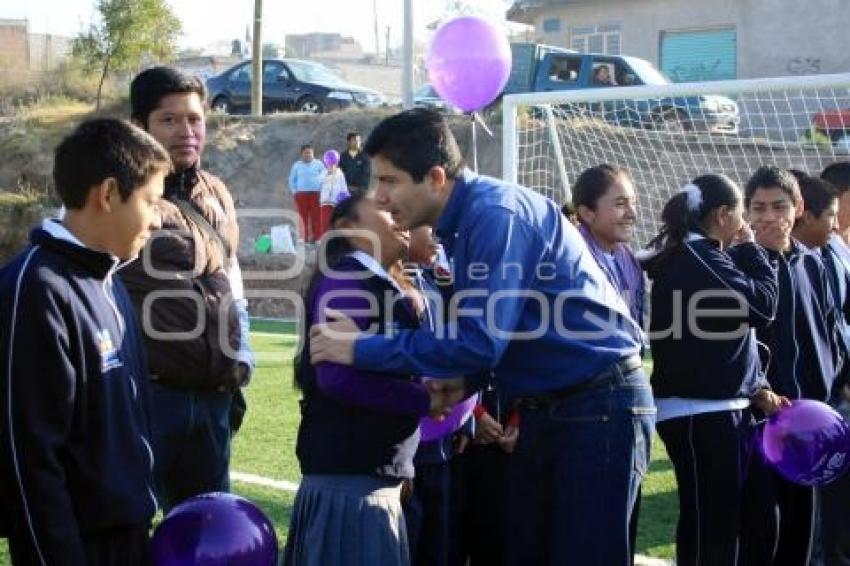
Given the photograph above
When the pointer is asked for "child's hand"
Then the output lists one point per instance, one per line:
(769, 402)
(487, 430)
(461, 442)
(508, 441)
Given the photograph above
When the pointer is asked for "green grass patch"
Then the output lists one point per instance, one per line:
(266, 446)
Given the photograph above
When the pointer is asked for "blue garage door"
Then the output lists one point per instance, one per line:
(702, 55)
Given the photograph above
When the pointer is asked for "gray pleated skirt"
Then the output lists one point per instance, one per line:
(347, 521)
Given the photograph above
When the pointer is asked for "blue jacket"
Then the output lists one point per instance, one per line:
(306, 177)
(74, 454)
(519, 267)
(807, 353)
(727, 368)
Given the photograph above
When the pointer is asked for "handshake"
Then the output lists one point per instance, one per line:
(445, 394)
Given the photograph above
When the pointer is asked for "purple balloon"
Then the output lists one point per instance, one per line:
(431, 429)
(215, 529)
(808, 443)
(331, 158)
(469, 62)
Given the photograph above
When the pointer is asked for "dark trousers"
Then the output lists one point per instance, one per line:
(479, 489)
(191, 443)
(778, 519)
(575, 474)
(835, 522)
(118, 547)
(711, 454)
(427, 515)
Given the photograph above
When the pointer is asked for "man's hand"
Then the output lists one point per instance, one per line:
(239, 376)
(769, 402)
(773, 236)
(508, 441)
(333, 341)
(461, 442)
(487, 430)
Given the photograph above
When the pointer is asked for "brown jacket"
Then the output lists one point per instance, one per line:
(193, 290)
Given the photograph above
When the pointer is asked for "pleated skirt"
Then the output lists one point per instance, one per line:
(347, 521)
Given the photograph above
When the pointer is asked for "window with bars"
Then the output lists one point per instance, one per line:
(603, 38)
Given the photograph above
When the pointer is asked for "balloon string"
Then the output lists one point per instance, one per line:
(474, 144)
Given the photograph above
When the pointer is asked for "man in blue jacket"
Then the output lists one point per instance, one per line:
(533, 306)
(76, 466)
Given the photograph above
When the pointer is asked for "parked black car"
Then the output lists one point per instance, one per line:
(288, 85)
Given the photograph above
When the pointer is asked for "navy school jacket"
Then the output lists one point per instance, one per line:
(807, 354)
(687, 364)
(74, 454)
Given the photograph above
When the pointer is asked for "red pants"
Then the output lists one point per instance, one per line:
(308, 209)
(326, 212)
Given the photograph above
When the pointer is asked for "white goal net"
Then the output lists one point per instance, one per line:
(667, 135)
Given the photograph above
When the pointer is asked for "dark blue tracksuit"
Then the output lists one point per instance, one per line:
(806, 359)
(75, 462)
(709, 439)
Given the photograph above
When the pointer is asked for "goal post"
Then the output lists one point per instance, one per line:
(668, 134)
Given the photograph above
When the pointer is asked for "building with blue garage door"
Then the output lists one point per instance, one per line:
(699, 40)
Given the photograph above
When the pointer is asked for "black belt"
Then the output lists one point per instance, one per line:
(622, 367)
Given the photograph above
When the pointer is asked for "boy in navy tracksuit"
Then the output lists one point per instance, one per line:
(75, 460)
(835, 500)
(805, 357)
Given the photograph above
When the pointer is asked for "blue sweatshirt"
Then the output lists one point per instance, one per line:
(74, 453)
(807, 353)
(518, 267)
(742, 282)
(306, 177)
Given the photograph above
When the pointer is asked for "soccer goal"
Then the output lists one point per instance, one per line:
(667, 135)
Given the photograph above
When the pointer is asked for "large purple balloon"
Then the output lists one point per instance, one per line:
(807, 443)
(215, 529)
(469, 62)
(431, 429)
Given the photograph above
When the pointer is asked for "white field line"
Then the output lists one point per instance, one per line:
(280, 485)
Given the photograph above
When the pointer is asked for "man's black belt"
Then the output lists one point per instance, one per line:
(621, 367)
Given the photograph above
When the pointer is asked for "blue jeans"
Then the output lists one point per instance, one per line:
(191, 443)
(575, 474)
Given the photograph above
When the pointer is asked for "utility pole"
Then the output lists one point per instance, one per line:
(407, 59)
(377, 42)
(388, 46)
(257, 61)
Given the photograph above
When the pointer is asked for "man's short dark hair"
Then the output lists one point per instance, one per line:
(817, 195)
(838, 174)
(306, 146)
(351, 136)
(150, 86)
(772, 177)
(415, 141)
(102, 148)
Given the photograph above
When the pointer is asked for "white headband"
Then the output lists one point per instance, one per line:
(694, 196)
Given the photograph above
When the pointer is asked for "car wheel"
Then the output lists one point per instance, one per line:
(309, 105)
(222, 104)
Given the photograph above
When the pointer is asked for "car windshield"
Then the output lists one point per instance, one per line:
(648, 74)
(313, 73)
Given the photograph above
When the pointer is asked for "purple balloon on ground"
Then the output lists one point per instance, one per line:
(215, 529)
(331, 158)
(469, 62)
(431, 429)
(807, 443)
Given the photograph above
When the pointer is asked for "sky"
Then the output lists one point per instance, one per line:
(203, 25)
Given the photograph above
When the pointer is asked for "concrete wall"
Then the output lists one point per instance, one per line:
(775, 37)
